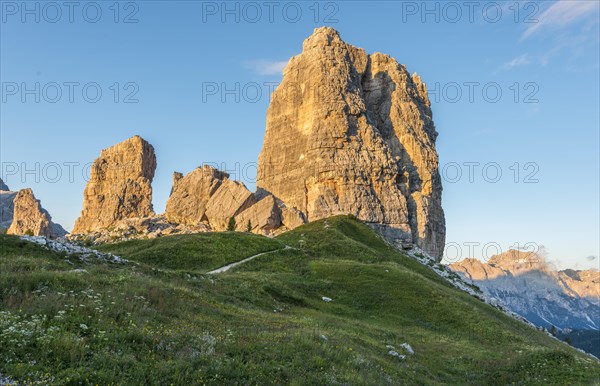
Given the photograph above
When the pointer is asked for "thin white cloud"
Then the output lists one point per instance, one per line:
(267, 67)
(522, 60)
(577, 44)
(562, 14)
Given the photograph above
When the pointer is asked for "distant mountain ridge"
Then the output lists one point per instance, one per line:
(529, 286)
(3, 186)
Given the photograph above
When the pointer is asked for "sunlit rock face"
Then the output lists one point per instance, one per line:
(30, 218)
(352, 133)
(263, 217)
(21, 213)
(229, 200)
(208, 196)
(119, 187)
(347, 133)
(190, 195)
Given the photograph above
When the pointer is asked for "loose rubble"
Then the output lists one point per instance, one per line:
(392, 351)
(137, 228)
(408, 349)
(63, 245)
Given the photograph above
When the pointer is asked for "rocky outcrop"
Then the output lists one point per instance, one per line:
(263, 217)
(291, 217)
(230, 199)
(207, 197)
(138, 228)
(119, 186)
(352, 133)
(21, 213)
(347, 133)
(63, 245)
(117, 206)
(525, 283)
(29, 218)
(190, 195)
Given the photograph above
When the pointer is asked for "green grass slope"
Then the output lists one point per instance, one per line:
(197, 252)
(162, 321)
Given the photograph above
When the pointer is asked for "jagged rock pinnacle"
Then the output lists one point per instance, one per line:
(119, 186)
(352, 133)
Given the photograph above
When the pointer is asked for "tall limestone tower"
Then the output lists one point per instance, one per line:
(352, 133)
(120, 186)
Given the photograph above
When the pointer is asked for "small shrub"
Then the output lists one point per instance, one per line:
(231, 225)
(88, 242)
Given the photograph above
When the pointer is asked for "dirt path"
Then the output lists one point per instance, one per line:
(247, 259)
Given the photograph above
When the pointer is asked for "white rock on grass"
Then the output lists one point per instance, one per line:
(396, 354)
(408, 349)
(62, 245)
(326, 299)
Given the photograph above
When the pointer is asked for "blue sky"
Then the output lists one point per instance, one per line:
(541, 132)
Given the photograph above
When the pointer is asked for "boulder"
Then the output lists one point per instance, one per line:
(229, 200)
(291, 218)
(190, 195)
(264, 217)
